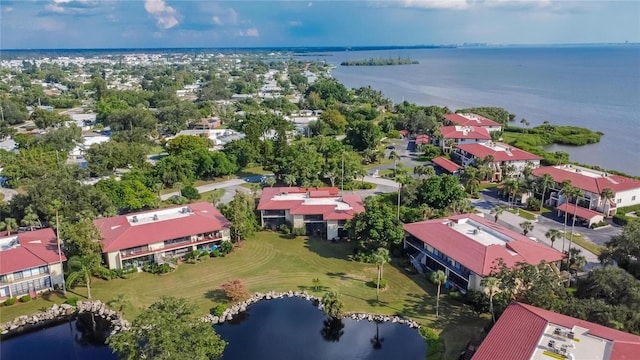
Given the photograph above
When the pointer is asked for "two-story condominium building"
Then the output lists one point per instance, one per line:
(505, 157)
(526, 332)
(592, 182)
(457, 135)
(321, 211)
(29, 263)
(136, 239)
(473, 120)
(467, 247)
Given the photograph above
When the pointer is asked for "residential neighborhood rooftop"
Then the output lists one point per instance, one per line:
(28, 249)
(306, 201)
(464, 132)
(446, 164)
(478, 243)
(471, 120)
(499, 151)
(586, 179)
(526, 332)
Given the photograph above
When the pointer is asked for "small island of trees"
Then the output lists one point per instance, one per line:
(379, 62)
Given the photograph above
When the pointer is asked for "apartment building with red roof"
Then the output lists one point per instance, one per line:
(473, 120)
(467, 247)
(152, 236)
(29, 263)
(526, 332)
(321, 211)
(457, 135)
(504, 156)
(592, 182)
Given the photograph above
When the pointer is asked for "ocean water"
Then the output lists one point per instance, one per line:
(597, 87)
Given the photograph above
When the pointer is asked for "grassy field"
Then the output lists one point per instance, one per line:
(523, 214)
(270, 261)
(588, 245)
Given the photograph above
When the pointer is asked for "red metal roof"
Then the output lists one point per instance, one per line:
(588, 183)
(472, 132)
(446, 164)
(476, 120)
(499, 154)
(516, 334)
(298, 207)
(37, 248)
(474, 255)
(422, 139)
(579, 211)
(118, 233)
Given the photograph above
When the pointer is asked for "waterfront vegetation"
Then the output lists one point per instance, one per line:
(380, 62)
(270, 261)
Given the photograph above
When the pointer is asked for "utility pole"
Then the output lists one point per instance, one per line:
(64, 286)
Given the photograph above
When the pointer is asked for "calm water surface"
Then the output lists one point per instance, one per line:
(290, 328)
(594, 87)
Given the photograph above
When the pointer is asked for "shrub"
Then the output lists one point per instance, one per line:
(284, 228)
(218, 310)
(394, 134)
(190, 192)
(383, 283)
(599, 224)
(10, 301)
(226, 247)
(299, 231)
(25, 298)
(157, 269)
(215, 253)
(235, 290)
(435, 344)
(71, 301)
(456, 295)
(533, 204)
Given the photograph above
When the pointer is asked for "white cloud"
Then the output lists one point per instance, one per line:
(436, 4)
(295, 23)
(166, 16)
(7, 9)
(252, 32)
(225, 17)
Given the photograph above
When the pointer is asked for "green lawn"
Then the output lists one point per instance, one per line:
(375, 164)
(272, 262)
(588, 245)
(523, 214)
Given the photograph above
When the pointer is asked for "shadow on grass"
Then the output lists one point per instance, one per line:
(329, 249)
(216, 295)
(53, 296)
(343, 276)
(315, 289)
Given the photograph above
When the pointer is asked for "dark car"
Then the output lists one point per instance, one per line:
(391, 147)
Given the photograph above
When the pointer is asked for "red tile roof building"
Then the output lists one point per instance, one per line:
(29, 263)
(467, 247)
(473, 120)
(136, 239)
(526, 332)
(503, 155)
(422, 139)
(447, 165)
(456, 135)
(321, 211)
(592, 183)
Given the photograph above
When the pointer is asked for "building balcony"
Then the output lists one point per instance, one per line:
(462, 272)
(205, 239)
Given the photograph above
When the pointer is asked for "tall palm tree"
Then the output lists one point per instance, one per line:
(497, 211)
(380, 257)
(331, 304)
(10, 224)
(527, 227)
(576, 194)
(438, 278)
(607, 195)
(83, 268)
(119, 303)
(553, 235)
(30, 218)
(545, 181)
(491, 288)
(567, 188)
(290, 179)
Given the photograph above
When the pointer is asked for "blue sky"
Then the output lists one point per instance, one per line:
(205, 23)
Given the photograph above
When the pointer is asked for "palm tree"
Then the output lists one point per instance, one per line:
(546, 181)
(577, 258)
(270, 181)
(395, 157)
(30, 218)
(10, 224)
(83, 268)
(331, 304)
(607, 195)
(526, 226)
(497, 211)
(426, 170)
(380, 257)
(215, 196)
(157, 187)
(491, 288)
(438, 278)
(119, 303)
(576, 194)
(510, 186)
(553, 235)
(567, 188)
(178, 185)
(290, 179)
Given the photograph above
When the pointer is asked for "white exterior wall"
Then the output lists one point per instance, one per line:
(156, 246)
(626, 197)
(56, 273)
(288, 216)
(493, 128)
(113, 260)
(298, 221)
(332, 229)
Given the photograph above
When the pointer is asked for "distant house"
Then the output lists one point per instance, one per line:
(467, 247)
(206, 123)
(447, 165)
(29, 263)
(422, 139)
(321, 211)
(503, 155)
(136, 239)
(592, 183)
(526, 332)
(473, 120)
(458, 135)
(87, 140)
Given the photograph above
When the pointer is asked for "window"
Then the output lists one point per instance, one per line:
(618, 201)
(633, 198)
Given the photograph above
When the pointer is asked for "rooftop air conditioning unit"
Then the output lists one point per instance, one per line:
(134, 219)
(476, 231)
(451, 224)
(155, 217)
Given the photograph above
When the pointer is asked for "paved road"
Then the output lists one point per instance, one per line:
(229, 186)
